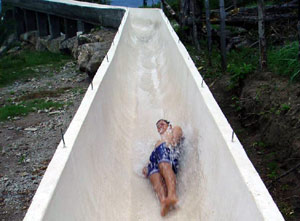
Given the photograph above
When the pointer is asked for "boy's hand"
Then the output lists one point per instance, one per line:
(145, 171)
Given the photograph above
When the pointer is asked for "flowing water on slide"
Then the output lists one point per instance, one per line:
(153, 92)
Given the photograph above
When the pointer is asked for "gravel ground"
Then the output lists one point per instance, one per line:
(28, 143)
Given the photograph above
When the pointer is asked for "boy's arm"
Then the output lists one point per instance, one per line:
(145, 171)
(177, 134)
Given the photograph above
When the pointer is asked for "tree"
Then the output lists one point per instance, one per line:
(208, 29)
(298, 26)
(222, 35)
(195, 30)
(261, 34)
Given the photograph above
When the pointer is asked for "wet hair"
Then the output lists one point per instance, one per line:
(168, 122)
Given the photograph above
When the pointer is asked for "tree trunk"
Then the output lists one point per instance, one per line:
(298, 26)
(195, 31)
(261, 34)
(222, 35)
(208, 29)
(234, 3)
(170, 10)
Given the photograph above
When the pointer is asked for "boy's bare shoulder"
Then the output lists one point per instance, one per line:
(177, 130)
(159, 142)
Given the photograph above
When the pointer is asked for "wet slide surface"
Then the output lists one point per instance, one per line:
(148, 75)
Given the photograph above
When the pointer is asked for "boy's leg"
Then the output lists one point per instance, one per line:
(160, 189)
(158, 186)
(169, 176)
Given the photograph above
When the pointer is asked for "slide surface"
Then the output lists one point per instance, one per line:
(148, 75)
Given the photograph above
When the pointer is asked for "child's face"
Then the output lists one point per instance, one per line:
(162, 126)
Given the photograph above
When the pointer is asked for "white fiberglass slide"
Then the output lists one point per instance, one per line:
(149, 75)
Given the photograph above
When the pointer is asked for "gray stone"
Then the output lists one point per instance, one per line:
(30, 37)
(95, 62)
(32, 129)
(86, 52)
(14, 50)
(67, 45)
(3, 49)
(11, 38)
(46, 43)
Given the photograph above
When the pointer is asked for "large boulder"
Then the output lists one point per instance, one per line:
(84, 39)
(30, 37)
(53, 45)
(67, 45)
(87, 51)
(95, 62)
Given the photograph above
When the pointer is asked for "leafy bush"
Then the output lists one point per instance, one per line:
(239, 72)
(241, 63)
(284, 60)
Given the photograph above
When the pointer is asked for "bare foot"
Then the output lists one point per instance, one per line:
(167, 203)
(164, 208)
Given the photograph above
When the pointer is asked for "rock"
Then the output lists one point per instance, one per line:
(3, 49)
(54, 112)
(14, 50)
(95, 62)
(41, 44)
(86, 52)
(30, 37)
(30, 129)
(24, 174)
(55, 45)
(11, 38)
(67, 45)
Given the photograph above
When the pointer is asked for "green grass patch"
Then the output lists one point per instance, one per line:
(25, 107)
(21, 66)
(284, 60)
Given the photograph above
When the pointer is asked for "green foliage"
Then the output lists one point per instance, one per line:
(22, 158)
(272, 167)
(285, 107)
(21, 66)
(25, 107)
(239, 72)
(236, 104)
(286, 209)
(259, 144)
(175, 4)
(241, 63)
(284, 60)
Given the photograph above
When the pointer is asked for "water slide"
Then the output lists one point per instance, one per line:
(96, 174)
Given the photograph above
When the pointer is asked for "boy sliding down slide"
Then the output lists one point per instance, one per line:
(163, 164)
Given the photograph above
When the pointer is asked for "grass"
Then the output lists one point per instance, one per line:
(25, 107)
(284, 60)
(240, 63)
(22, 66)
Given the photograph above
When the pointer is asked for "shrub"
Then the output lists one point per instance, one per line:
(284, 60)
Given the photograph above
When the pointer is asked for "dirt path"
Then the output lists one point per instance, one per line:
(28, 142)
